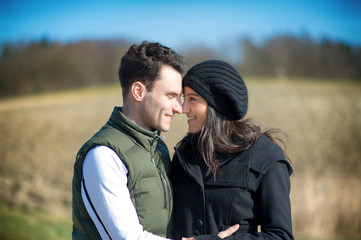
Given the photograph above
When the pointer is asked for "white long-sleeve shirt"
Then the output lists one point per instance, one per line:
(107, 199)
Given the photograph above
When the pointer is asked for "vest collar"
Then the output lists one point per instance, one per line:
(146, 138)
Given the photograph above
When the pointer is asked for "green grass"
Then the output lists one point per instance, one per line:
(24, 223)
(30, 224)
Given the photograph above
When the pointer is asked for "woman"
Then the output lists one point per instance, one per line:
(226, 171)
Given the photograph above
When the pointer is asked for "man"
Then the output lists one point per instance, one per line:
(120, 184)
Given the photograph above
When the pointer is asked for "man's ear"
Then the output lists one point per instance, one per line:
(138, 91)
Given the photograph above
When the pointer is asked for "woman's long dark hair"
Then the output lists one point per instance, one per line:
(219, 135)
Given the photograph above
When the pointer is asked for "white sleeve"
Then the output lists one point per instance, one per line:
(106, 197)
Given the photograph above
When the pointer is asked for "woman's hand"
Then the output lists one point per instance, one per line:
(223, 234)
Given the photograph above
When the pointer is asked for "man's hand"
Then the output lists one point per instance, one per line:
(229, 231)
(223, 234)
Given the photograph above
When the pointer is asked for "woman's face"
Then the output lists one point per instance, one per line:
(195, 107)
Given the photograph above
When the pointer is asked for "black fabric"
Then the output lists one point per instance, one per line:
(253, 190)
(221, 86)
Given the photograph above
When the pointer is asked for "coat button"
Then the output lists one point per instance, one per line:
(199, 223)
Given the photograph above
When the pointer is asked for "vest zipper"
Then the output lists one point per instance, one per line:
(163, 180)
(164, 185)
(152, 159)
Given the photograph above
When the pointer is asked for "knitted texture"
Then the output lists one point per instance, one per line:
(221, 86)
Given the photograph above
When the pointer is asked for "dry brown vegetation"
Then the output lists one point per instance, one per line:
(40, 136)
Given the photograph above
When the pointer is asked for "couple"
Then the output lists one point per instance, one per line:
(227, 177)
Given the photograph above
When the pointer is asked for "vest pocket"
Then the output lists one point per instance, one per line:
(150, 193)
(166, 191)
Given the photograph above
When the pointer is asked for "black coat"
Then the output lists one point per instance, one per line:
(252, 190)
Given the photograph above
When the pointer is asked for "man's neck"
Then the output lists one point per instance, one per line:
(132, 113)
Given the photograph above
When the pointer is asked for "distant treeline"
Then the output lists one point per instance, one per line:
(40, 66)
(289, 56)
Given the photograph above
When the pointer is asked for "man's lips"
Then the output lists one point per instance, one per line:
(169, 116)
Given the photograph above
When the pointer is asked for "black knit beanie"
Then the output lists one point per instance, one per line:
(221, 86)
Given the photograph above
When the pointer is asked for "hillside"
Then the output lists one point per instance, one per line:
(41, 135)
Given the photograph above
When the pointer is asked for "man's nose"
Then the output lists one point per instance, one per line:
(178, 107)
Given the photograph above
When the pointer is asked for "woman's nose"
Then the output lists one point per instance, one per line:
(185, 108)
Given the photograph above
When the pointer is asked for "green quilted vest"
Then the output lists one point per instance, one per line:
(147, 160)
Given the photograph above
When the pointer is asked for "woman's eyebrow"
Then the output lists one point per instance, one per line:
(192, 94)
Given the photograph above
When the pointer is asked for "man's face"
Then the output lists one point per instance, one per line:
(163, 101)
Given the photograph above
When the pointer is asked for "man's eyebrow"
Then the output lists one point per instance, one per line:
(174, 93)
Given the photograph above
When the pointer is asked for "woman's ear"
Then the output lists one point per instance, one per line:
(138, 91)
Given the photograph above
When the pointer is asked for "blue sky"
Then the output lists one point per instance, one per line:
(179, 23)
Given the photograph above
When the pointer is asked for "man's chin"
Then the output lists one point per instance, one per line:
(164, 128)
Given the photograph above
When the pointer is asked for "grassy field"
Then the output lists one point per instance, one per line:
(40, 136)
(23, 222)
